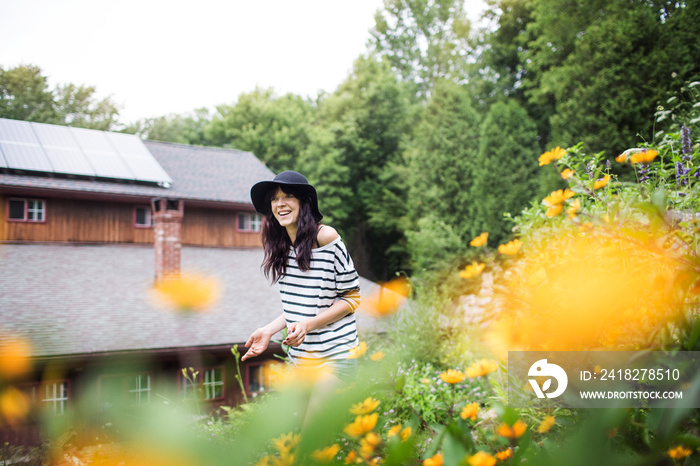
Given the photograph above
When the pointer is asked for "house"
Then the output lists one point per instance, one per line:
(88, 221)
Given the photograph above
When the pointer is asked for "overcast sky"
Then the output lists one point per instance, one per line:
(156, 57)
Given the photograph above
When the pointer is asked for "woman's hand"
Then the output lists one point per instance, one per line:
(296, 334)
(257, 343)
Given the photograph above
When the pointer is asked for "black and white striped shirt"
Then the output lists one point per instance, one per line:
(331, 276)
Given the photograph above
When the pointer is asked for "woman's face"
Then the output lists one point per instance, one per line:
(285, 208)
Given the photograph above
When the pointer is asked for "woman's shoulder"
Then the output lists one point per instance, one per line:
(326, 235)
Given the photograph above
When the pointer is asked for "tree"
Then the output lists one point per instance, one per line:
(506, 168)
(185, 128)
(78, 106)
(351, 156)
(24, 95)
(424, 40)
(273, 128)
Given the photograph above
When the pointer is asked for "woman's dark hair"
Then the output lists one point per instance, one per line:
(277, 243)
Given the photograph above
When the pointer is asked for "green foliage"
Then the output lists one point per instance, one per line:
(178, 128)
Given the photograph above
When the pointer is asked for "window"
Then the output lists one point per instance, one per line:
(143, 217)
(26, 210)
(55, 397)
(125, 390)
(262, 377)
(209, 382)
(249, 222)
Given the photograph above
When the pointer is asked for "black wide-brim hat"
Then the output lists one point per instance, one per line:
(287, 178)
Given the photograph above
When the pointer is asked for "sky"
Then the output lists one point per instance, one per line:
(158, 57)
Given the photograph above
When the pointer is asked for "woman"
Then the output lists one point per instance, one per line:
(318, 283)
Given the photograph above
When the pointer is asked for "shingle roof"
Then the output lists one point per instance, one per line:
(198, 173)
(74, 299)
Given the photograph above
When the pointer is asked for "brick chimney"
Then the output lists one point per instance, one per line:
(167, 219)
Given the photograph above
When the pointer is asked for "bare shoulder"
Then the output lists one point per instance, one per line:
(326, 235)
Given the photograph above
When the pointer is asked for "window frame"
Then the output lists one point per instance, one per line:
(150, 217)
(248, 376)
(249, 216)
(183, 383)
(126, 391)
(25, 218)
(44, 402)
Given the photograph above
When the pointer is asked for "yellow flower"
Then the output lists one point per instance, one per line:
(554, 154)
(14, 358)
(470, 411)
(479, 240)
(558, 196)
(186, 292)
(622, 158)
(602, 182)
(365, 407)
(434, 461)
(368, 444)
(264, 461)
(472, 270)
(387, 299)
(394, 431)
(504, 455)
(644, 156)
(452, 376)
(511, 248)
(679, 452)
(514, 431)
(546, 424)
(573, 209)
(480, 368)
(327, 454)
(14, 405)
(361, 425)
(377, 356)
(286, 442)
(481, 458)
(554, 210)
(566, 174)
(352, 458)
(406, 433)
(358, 351)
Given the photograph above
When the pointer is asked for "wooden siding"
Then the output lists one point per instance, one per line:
(75, 220)
(215, 227)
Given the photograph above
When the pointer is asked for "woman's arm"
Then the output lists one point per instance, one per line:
(260, 338)
(298, 330)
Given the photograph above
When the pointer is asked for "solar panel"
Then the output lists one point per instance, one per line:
(77, 151)
(21, 148)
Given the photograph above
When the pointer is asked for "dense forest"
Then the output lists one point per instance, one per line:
(435, 134)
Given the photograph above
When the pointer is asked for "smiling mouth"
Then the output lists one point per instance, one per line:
(284, 213)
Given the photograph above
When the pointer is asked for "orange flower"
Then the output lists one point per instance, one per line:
(387, 299)
(14, 405)
(472, 270)
(327, 454)
(480, 368)
(573, 209)
(554, 210)
(186, 292)
(436, 460)
(511, 248)
(622, 158)
(566, 173)
(405, 433)
(558, 196)
(377, 356)
(361, 425)
(365, 407)
(14, 358)
(481, 458)
(602, 182)
(644, 156)
(546, 424)
(479, 240)
(369, 443)
(352, 458)
(452, 376)
(554, 154)
(515, 431)
(358, 351)
(679, 452)
(469, 411)
(504, 455)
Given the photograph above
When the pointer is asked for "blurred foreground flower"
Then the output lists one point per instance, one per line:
(436, 460)
(644, 156)
(512, 432)
(481, 458)
(546, 424)
(452, 376)
(365, 407)
(554, 154)
(307, 374)
(481, 368)
(361, 425)
(14, 358)
(601, 182)
(566, 173)
(327, 454)
(679, 452)
(504, 455)
(378, 356)
(511, 248)
(186, 292)
(14, 406)
(387, 299)
(601, 288)
(358, 351)
(472, 270)
(479, 240)
(470, 411)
